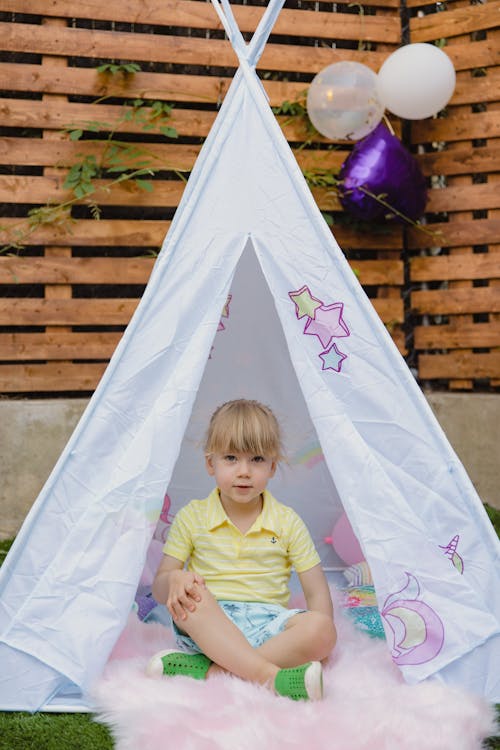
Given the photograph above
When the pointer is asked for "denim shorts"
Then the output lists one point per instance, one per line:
(257, 621)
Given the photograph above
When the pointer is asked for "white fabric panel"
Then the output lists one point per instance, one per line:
(23, 678)
(69, 581)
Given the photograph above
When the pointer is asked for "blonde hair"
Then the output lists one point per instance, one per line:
(243, 426)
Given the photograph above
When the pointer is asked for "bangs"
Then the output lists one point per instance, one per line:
(244, 427)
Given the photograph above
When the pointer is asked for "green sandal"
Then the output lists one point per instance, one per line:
(171, 663)
(301, 683)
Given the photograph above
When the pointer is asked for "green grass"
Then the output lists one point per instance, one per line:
(22, 731)
(5, 545)
(494, 516)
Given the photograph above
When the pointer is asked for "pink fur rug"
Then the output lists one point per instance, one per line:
(367, 706)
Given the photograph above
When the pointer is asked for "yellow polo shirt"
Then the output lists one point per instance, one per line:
(251, 567)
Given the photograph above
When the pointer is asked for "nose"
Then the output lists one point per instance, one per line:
(244, 468)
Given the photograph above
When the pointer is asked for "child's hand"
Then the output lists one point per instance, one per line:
(183, 593)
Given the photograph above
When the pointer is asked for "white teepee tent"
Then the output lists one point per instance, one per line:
(298, 333)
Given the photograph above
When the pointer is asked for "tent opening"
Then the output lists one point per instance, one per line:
(250, 359)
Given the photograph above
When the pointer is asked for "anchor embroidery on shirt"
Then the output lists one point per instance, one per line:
(273, 540)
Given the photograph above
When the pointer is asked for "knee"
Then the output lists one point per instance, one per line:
(201, 604)
(322, 633)
(206, 598)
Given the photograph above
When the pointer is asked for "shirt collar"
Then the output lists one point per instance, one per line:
(268, 518)
(216, 514)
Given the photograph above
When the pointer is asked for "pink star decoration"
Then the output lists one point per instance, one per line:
(327, 324)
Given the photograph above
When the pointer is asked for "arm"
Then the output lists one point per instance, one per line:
(177, 588)
(316, 590)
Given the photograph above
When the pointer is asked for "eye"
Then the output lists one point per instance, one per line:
(258, 459)
(230, 458)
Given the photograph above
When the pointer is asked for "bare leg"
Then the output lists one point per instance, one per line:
(224, 647)
(309, 636)
(224, 643)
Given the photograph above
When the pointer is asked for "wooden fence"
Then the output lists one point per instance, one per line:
(70, 287)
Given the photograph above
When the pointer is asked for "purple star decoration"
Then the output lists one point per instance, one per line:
(323, 321)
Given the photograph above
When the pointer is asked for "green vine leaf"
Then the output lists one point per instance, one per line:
(114, 68)
(321, 178)
(168, 131)
(80, 176)
(144, 185)
(120, 161)
(95, 211)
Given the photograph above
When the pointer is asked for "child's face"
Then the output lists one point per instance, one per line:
(240, 477)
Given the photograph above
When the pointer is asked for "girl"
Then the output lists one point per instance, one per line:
(229, 606)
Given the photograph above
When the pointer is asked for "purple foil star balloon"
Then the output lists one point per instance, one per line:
(381, 164)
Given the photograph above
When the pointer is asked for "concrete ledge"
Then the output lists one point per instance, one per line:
(33, 434)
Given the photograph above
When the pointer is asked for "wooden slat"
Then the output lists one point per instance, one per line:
(457, 127)
(21, 113)
(39, 153)
(90, 233)
(149, 233)
(184, 50)
(456, 301)
(420, 3)
(462, 160)
(57, 346)
(472, 55)
(207, 89)
(471, 89)
(132, 271)
(464, 197)
(192, 88)
(456, 267)
(214, 52)
(40, 190)
(459, 365)
(54, 376)
(455, 22)
(66, 312)
(201, 15)
(457, 336)
(170, 156)
(379, 272)
(477, 232)
(166, 193)
(102, 312)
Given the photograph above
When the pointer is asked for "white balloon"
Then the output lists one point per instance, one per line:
(416, 81)
(342, 101)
